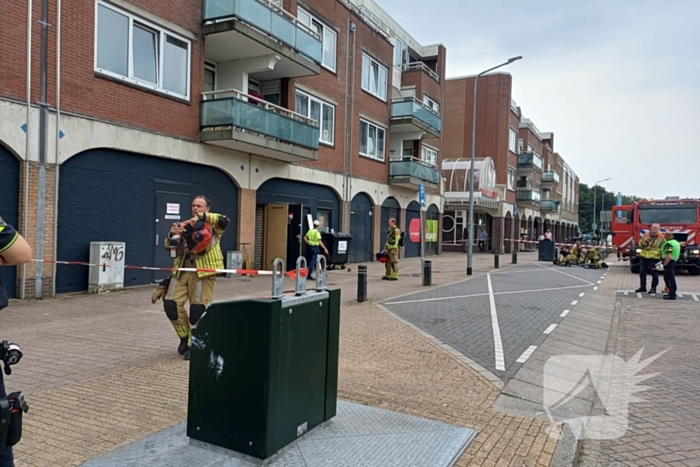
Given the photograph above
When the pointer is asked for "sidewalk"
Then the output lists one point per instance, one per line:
(101, 371)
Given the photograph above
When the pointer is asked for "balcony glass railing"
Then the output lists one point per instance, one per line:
(411, 167)
(530, 161)
(415, 109)
(272, 20)
(551, 177)
(529, 196)
(549, 205)
(253, 114)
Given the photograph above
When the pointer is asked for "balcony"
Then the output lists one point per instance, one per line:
(251, 125)
(409, 172)
(550, 178)
(529, 163)
(549, 205)
(245, 30)
(410, 115)
(420, 66)
(528, 197)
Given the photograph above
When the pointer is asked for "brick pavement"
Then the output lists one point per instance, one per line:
(100, 372)
(662, 430)
(625, 280)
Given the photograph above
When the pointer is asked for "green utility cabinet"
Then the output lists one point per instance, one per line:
(264, 371)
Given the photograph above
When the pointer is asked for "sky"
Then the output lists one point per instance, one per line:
(618, 82)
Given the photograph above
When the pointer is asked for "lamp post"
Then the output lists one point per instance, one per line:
(470, 236)
(594, 201)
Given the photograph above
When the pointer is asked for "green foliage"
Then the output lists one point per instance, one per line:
(603, 198)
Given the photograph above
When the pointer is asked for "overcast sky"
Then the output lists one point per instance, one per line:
(618, 82)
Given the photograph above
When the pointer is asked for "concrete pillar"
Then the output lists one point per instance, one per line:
(496, 233)
(378, 229)
(246, 223)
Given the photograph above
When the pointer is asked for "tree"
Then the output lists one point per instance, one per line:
(607, 199)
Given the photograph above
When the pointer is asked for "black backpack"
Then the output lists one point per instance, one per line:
(401, 242)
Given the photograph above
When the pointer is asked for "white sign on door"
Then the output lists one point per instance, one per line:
(172, 208)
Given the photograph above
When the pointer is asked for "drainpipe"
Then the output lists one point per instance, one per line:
(58, 139)
(347, 156)
(26, 147)
(43, 116)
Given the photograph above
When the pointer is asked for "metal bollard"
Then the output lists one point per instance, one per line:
(361, 283)
(515, 256)
(495, 259)
(427, 273)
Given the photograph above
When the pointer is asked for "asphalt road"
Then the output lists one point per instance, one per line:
(497, 319)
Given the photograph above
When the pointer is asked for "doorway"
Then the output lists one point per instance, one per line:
(172, 205)
(361, 229)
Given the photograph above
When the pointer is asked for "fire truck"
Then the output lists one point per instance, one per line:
(680, 216)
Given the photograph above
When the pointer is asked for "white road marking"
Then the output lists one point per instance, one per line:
(582, 294)
(562, 272)
(626, 293)
(574, 303)
(680, 295)
(599, 282)
(695, 297)
(497, 342)
(550, 328)
(639, 295)
(595, 288)
(564, 313)
(483, 295)
(523, 358)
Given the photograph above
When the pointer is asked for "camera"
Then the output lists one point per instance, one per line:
(10, 354)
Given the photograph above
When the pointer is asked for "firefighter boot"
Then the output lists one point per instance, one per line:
(184, 346)
(641, 290)
(652, 291)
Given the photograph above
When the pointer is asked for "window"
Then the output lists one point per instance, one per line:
(407, 148)
(372, 140)
(429, 155)
(374, 77)
(141, 53)
(538, 186)
(511, 179)
(549, 166)
(209, 77)
(328, 37)
(530, 149)
(322, 112)
(512, 140)
(431, 104)
(520, 146)
(400, 53)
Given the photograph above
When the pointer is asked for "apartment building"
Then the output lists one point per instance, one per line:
(277, 111)
(522, 187)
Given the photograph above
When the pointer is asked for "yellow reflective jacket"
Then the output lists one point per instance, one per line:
(651, 246)
(210, 259)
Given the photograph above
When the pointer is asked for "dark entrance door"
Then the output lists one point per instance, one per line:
(172, 206)
(413, 230)
(9, 210)
(432, 229)
(360, 229)
(390, 208)
(296, 230)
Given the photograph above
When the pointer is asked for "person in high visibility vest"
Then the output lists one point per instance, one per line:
(313, 239)
(650, 245)
(195, 287)
(672, 252)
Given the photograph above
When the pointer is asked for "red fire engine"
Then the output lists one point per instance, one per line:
(680, 216)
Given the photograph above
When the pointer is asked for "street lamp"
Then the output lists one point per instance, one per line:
(594, 201)
(470, 237)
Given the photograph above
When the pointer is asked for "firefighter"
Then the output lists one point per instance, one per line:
(573, 256)
(672, 252)
(650, 244)
(594, 258)
(198, 247)
(14, 250)
(392, 249)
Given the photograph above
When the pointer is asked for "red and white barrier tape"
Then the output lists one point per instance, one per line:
(244, 272)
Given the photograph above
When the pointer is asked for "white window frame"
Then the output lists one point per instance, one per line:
(325, 32)
(320, 123)
(382, 93)
(512, 140)
(162, 32)
(377, 128)
(427, 154)
(212, 66)
(431, 103)
(510, 182)
(530, 149)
